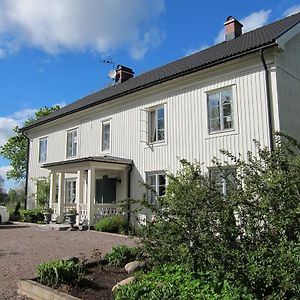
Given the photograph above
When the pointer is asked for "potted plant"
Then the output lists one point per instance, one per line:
(71, 215)
(48, 211)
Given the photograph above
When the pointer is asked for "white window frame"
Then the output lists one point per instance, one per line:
(103, 124)
(221, 116)
(44, 148)
(70, 194)
(153, 128)
(152, 194)
(72, 154)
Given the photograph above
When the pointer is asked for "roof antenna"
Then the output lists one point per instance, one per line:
(112, 73)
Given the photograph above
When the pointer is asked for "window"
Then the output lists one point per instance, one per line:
(70, 191)
(43, 145)
(220, 110)
(224, 179)
(72, 143)
(106, 136)
(157, 182)
(156, 120)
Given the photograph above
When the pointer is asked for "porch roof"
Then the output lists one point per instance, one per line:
(91, 159)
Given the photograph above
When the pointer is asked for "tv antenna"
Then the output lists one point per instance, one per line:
(112, 73)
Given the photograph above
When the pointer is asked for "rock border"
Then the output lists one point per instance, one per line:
(37, 291)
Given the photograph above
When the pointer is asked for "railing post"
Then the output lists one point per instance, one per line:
(79, 189)
(52, 197)
(61, 193)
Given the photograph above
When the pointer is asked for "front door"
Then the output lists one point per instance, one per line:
(106, 190)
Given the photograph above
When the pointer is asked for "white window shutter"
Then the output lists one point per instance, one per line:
(144, 126)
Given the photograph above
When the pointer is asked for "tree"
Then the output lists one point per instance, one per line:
(249, 237)
(15, 150)
(3, 194)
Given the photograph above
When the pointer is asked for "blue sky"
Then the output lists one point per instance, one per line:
(51, 52)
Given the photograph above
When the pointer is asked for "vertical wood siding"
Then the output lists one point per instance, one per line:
(186, 128)
(288, 87)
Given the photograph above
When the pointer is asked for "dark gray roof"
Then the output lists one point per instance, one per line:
(246, 43)
(103, 159)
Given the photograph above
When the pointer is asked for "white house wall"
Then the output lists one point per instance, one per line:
(288, 83)
(187, 134)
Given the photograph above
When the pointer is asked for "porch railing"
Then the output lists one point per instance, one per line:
(106, 210)
(100, 210)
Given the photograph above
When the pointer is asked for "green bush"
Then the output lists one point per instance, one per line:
(114, 224)
(14, 213)
(250, 236)
(122, 254)
(32, 215)
(177, 282)
(57, 272)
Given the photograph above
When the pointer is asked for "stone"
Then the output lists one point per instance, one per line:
(124, 282)
(134, 266)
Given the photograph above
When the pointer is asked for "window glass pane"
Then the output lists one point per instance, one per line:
(72, 143)
(226, 97)
(214, 112)
(43, 149)
(213, 99)
(157, 125)
(105, 136)
(215, 125)
(227, 122)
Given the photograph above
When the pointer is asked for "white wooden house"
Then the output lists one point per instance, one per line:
(97, 149)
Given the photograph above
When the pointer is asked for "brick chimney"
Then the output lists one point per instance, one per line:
(233, 28)
(123, 74)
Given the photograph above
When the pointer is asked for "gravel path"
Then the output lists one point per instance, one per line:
(22, 248)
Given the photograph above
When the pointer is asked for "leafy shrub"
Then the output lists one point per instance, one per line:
(250, 236)
(32, 215)
(122, 254)
(114, 224)
(14, 213)
(177, 282)
(57, 272)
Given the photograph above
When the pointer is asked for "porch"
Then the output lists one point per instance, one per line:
(92, 186)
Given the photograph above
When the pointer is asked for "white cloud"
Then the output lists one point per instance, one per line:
(77, 25)
(292, 10)
(9, 122)
(4, 170)
(253, 21)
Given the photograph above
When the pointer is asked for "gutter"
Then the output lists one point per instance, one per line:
(150, 84)
(269, 100)
(27, 169)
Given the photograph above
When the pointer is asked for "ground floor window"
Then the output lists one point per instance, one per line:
(70, 191)
(224, 178)
(157, 182)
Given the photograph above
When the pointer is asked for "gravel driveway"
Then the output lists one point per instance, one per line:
(22, 248)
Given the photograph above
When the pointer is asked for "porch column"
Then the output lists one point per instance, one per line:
(79, 194)
(52, 197)
(61, 193)
(91, 195)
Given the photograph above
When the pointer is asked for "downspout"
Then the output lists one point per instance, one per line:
(128, 192)
(27, 169)
(269, 100)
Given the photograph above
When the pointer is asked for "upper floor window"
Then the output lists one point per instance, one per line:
(72, 143)
(157, 182)
(223, 178)
(43, 148)
(220, 116)
(156, 121)
(106, 136)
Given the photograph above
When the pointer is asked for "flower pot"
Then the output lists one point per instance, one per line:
(72, 220)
